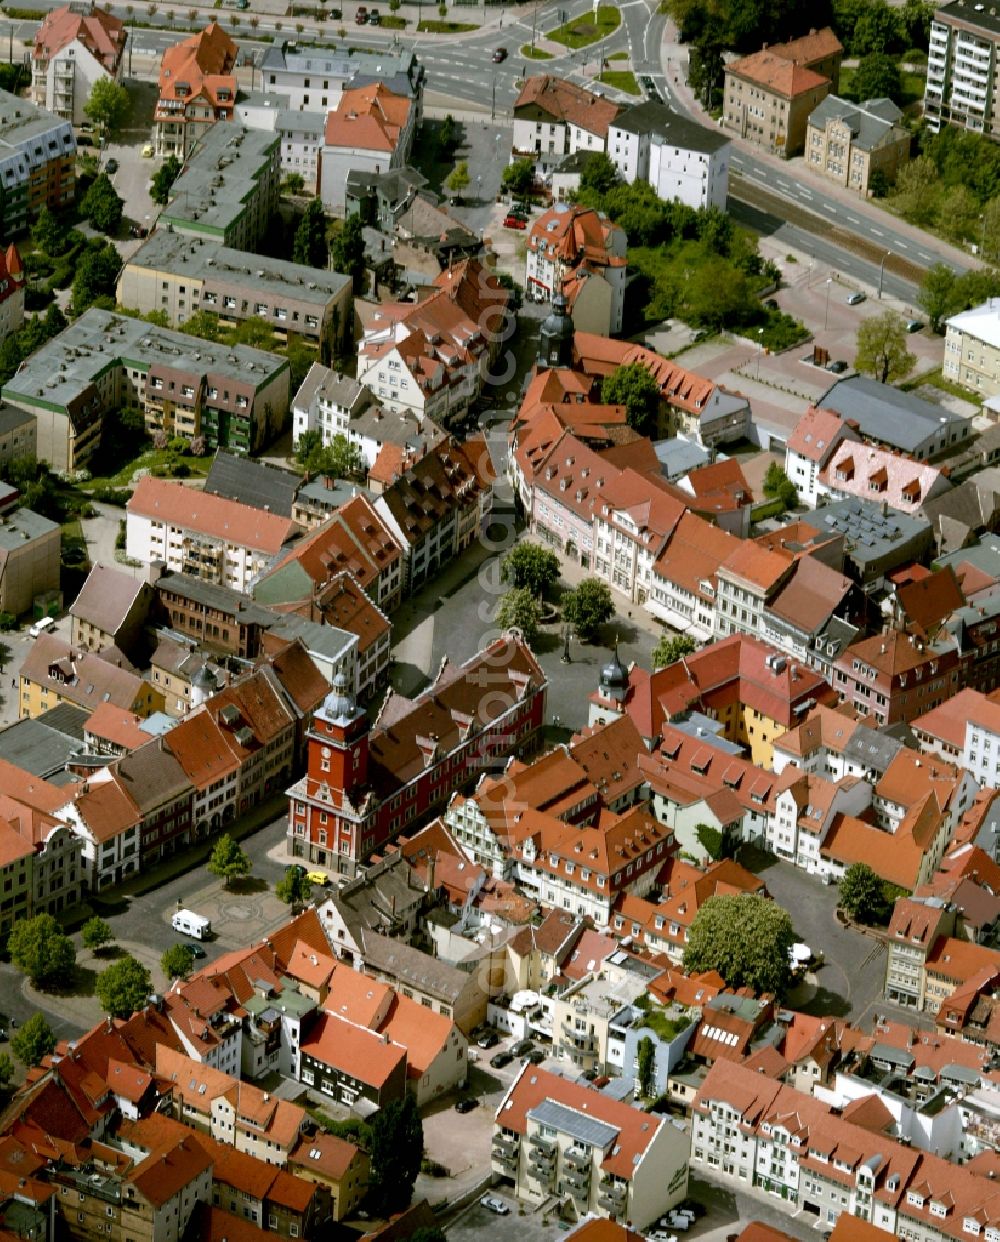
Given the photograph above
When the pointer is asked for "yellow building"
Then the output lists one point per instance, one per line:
(849, 142)
(55, 672)
(336, 1164)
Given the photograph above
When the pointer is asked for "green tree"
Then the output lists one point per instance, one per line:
(635, 387)
(203, 323)
(532, 566)
(108, 105)
(519, 609)
(124, 987)
(96, 276)
(446, 135)
(670, 648)
(746, 938)
(342, 459)
(711, 840)
(229, 861)
(519, 177)
(937, 294)
(861, 893)
(882, 348)
(959, 217)
(293, 888)
(990, 234)
(50, 234)
(588, 607)
(6, 1070)
(779, 486)
(646, 1058)
(300, 358)
(397, 1147)
(347, 252)
(877, 77)
(164, 178)
(294, 183)
(254, 332)
(33, 1041)
(309, 448)
(101, 206)
(599, 174)
(310, 244)
(458, 179)
(706, 68)
(918, 189)
(177, 961)
(95, 933)
(39, 949)
(877, 30)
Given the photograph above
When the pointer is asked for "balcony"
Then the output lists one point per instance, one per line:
(577, 1177)
(506, 1144)
(613, 1200)
(577, 1158)
(578, 1189)
(544, 1173)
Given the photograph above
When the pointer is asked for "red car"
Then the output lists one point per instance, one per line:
(514, 222)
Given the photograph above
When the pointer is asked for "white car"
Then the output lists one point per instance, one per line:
(661, 1235)
(494, 1205)
(683, 1223)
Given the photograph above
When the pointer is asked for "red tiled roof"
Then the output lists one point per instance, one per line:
(190, 509)
(360, 1053)
(100, 33)
(564, 101)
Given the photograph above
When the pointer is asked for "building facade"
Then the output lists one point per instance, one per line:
(73, 50)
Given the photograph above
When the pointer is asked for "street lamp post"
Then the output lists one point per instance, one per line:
(881, 273)
(760, 348)
(826, 313)
(566, 658)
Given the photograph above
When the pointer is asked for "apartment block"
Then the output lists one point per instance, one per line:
(234, 396)
(37, 163)
(553, 118)
(972, 349)
(180, 275)
(202, 535)
(370, 131)
(228, 189)
(75, 47)
(848, 143)
(313, 79)
(679, 158)
(29, 560)
(962, 67)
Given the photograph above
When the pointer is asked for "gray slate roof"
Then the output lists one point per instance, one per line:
(869, 122)
(40, 746)
(252, 483)
(106, 598)
(869, 533)
(657, 119)
(885, 413)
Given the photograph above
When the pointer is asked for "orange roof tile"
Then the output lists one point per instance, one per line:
(100, 33)
(776, 74)
(560, 100)
(190, 509)
(360, 1053)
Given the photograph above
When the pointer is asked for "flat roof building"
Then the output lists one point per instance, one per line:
(234, 396)
(180, 275)
(897, 419)
(228, 189)
(37, 163)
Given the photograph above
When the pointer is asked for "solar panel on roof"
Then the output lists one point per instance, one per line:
(568, 1121)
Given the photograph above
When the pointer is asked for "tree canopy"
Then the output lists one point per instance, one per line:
(779, 486)
(746, 938)
(458, 179)
(101, 205)
(519, 177)
(108, 105)
(33, 1040)
(229, 861)
(39, 948)
(347, 251)
(95, 933)
(877, 77)
(882, 348)
(340, 458)
(163, 179)
(519, 609)
(294, 888)
(635, 387)
(123, 987)
(177, 961)
(96, 277)
(397, 1148)
(310, 245)
(670, 648)
(532, 566)
(588, 607)
(861, 893)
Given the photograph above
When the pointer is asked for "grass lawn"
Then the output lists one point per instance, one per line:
(620, 79)
(937, 380)
(148, 460)
(618, 56)
(535, 53)
(394, 23)
(436, 27)
(583, 31)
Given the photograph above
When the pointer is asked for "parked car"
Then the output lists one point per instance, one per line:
(500, 55)
(111, 166)
(361, 15)
(914, 325)
(514, 222)
(522, 1047)
(147, 151)
(466, 1104)
(195, 950)
(838, 367)
(489, 1040)
(856, 299)
(771, 304)
(492, 1204)
(501, 1059)
(589, 1074)
(374, 18)
(537, 1055)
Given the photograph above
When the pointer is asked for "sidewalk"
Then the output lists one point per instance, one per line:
(674, 64)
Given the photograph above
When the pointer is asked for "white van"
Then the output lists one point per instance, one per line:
(42, 627)
(192, 924)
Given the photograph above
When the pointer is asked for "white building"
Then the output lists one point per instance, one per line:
(208, 536)
(370, 131)
(313, 79)
(301, 133)
(810, 448)
(972, 349)
(553, 118)
(74, 50)
(679, 158)
(581, 253)
(962, 63)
